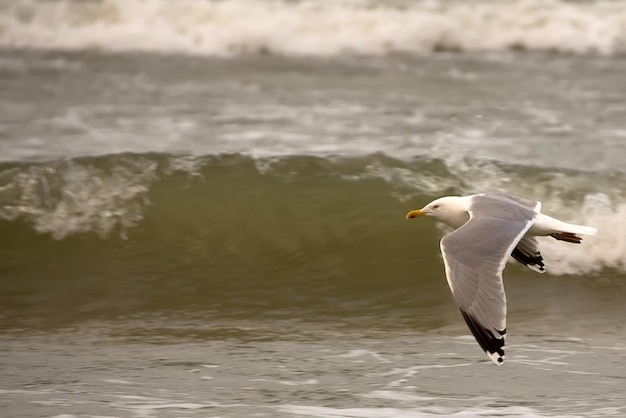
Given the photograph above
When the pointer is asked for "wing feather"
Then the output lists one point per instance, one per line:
(527, 253)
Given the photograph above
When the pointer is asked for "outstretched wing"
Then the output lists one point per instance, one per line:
(474, 256)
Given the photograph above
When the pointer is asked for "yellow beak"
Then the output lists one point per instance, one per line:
(415, 214)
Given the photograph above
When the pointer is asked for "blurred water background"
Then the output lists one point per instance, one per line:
(202, 206)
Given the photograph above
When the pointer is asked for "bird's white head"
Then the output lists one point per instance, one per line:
(451, 210)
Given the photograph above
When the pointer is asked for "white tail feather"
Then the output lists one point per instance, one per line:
(580, 229)
(546, 225)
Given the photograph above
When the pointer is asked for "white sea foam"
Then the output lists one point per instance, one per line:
(288, 382)
(314, 27)
(398, 396)
(363, 353)
(607, 249)
(118, 381)
(327, 412)
(76, 198)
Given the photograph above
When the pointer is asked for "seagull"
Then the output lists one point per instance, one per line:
(489, 227)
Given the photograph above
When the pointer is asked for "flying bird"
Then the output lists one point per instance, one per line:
(488, 228)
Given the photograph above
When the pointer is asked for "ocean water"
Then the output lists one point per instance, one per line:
(202, 206)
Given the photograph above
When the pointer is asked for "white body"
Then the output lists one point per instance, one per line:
(454, 211)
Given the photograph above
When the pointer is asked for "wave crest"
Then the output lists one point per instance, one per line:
(69, 197)
(294, 205)
(233, 27)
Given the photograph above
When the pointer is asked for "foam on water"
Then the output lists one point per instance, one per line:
(68, 198)
(606, 250)
(327, 412)
(314, 27)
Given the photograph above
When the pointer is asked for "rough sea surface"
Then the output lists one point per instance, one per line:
(202, 206)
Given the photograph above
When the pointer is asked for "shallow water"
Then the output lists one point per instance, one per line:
(291, 367)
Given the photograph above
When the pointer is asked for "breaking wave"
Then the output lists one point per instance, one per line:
(236, 204)
(326, 28)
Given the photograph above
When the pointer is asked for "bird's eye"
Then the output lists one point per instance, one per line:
(436, 207)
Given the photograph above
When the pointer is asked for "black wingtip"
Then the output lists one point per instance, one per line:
(493, 345)
(496, 358)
